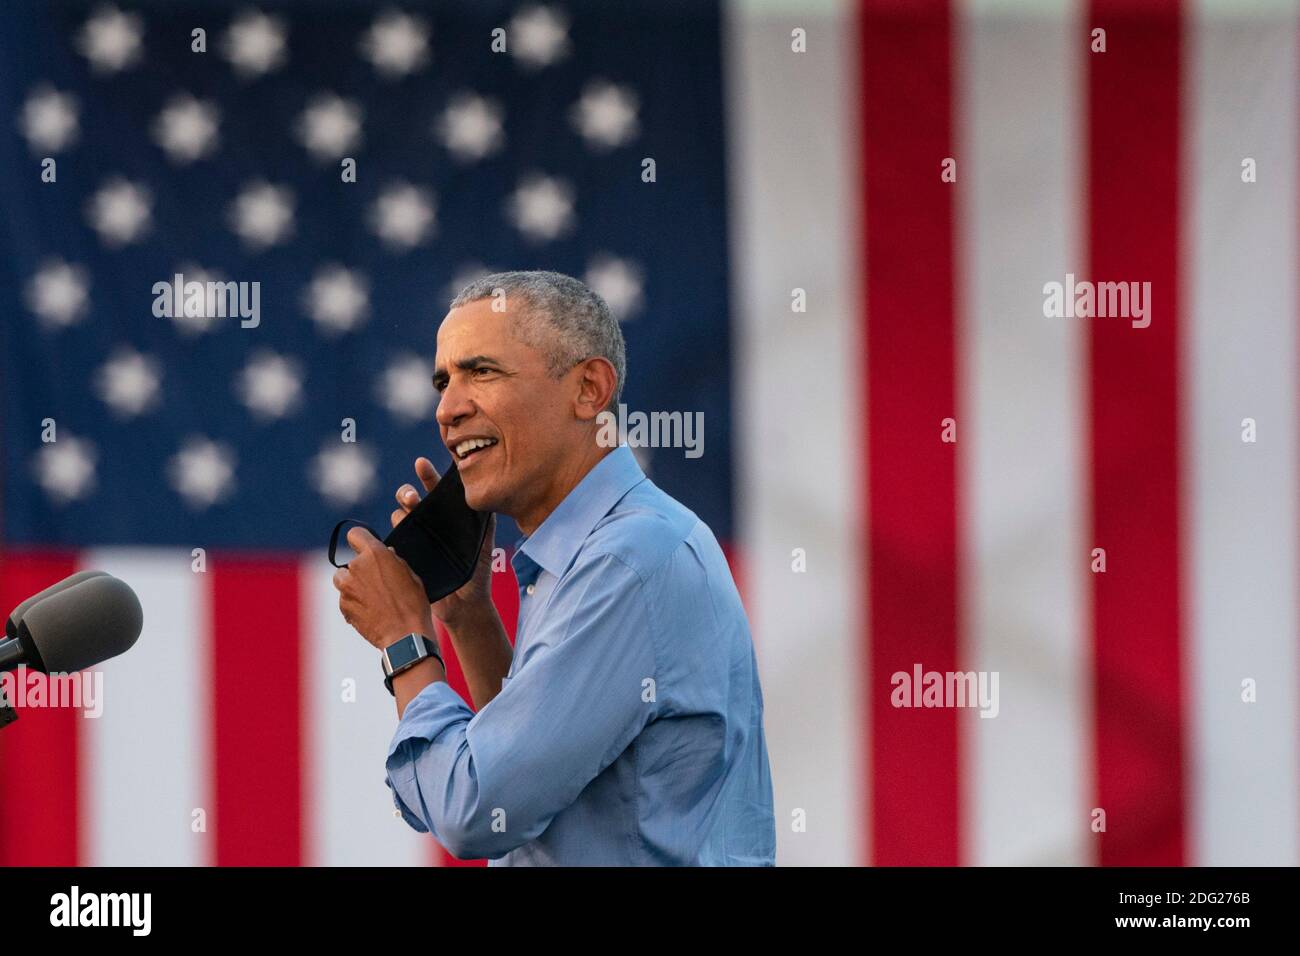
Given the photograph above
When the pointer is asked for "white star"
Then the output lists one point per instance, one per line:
(342, 472)
(65, 468)
(330, 126)
(402, 215)
(186, 128)
(618, 282)
(128, 382)
(405, 388)
(49, 120)
(396, 44)
(337, 300)
(270, 385)
(470, 127)
(605, 115)
(538, 37)
(58, 293)
(203, 322)
(202, 472)
(254, 44)
(262, 214)
(119, 212)
(542, 207)
(110, 40)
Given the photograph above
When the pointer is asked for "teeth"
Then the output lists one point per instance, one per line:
(465, 447)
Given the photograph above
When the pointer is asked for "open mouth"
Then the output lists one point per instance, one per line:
(472, 447)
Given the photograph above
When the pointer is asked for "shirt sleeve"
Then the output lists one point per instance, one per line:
(486, 783)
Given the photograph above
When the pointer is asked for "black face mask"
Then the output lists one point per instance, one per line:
(440, 539)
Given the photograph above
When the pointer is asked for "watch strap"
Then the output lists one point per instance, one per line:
(421, 641)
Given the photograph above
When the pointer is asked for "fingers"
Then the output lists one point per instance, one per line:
(362, 540)
(427, 474)
(407, 497)
(341, 581)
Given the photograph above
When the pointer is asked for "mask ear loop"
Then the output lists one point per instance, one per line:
(334, 538)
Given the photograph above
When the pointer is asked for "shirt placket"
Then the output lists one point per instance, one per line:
(527, 573)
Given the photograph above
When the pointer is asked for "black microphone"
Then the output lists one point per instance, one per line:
(16, 617)
(79, 622)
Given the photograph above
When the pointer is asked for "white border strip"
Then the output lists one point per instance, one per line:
(1240, 356)
(145, 761)
(794, 184)
(1020, 120)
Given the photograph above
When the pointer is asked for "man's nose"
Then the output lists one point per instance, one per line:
(454, 405)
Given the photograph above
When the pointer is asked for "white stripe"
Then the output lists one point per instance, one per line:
(794, 211)
(145, 760)
(348, 809)
(1025, 773)
(1241, 570)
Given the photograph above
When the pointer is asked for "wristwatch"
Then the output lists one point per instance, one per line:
(405, 653)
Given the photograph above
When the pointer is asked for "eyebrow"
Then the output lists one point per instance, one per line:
(465, 365)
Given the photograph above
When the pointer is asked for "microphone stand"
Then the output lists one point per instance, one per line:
(10, 651)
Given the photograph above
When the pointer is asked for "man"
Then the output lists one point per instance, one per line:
(626, 726)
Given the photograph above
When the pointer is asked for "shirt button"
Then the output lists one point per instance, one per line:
(531, 588)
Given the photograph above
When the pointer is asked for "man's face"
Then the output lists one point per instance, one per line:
(496, 388)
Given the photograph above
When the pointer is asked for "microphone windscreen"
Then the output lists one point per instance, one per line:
(95, 619)
(16, 618)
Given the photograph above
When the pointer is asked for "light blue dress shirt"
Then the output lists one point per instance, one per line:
(629, 731)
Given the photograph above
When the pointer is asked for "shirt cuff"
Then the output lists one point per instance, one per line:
(414, 822)
(436, 708)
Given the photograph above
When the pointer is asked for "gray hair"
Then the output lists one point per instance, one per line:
(565, 319)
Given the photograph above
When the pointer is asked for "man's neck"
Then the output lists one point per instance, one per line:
(563, 482)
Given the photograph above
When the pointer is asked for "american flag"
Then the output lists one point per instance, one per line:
(227, 157)
(828, 227)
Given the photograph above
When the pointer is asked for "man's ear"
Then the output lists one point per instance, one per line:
(596, 383)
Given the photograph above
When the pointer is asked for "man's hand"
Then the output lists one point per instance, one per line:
(474, 600)
(379, 594)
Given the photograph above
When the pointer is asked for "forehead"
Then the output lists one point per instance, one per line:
(475, 329)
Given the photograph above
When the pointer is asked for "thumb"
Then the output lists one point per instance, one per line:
(362, 540)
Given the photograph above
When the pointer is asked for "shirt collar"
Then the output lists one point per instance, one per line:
(555, 542)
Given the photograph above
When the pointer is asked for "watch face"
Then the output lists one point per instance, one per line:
(401, 653)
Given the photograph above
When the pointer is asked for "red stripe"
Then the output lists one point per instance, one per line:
(1133, 161)
(737, 566)
(505, 595)
(910, 388)
(256, 720)
(39, 818)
